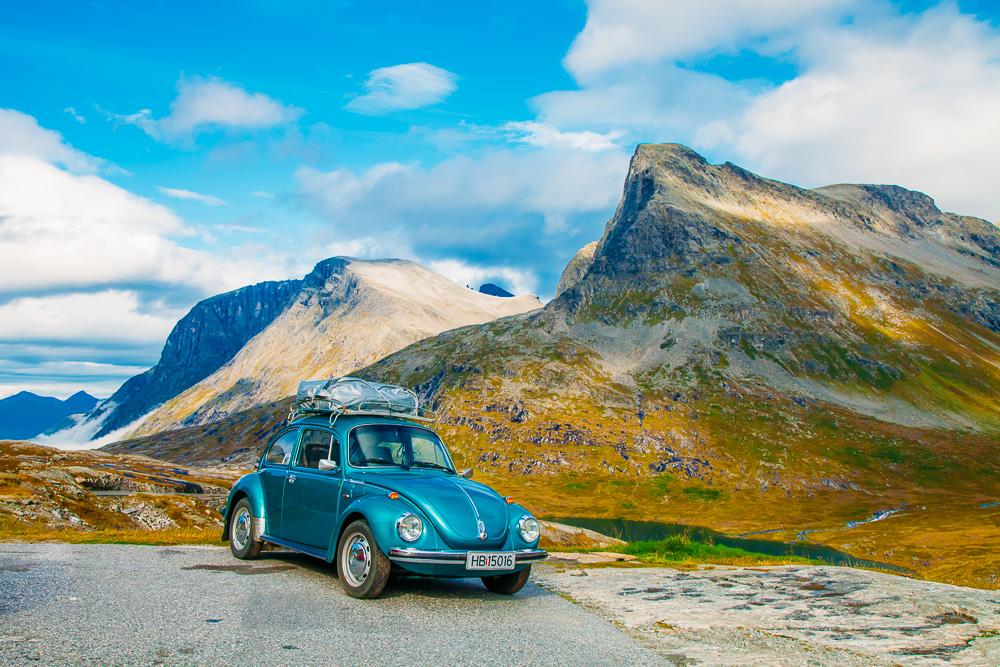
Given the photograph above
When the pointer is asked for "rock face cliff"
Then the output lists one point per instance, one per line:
(577, 267)
(252, 346)
(203, 340)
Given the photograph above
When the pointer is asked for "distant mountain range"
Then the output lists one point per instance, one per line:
(25, 415)
(734, 352)
(253, 345)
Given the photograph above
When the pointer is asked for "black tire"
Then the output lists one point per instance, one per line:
(362, 567)
(507, 584)
(242, 543)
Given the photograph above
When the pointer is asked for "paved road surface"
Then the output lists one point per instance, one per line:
(117, 604)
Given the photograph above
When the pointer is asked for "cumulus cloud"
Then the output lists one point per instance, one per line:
(106, 316)
(497, 190)
(542, 135)
(626, 32)
(190, 195)
(912, 101)
(60, 230)
(210, 103)
(402, 87)
(21, 135)
(516, 280)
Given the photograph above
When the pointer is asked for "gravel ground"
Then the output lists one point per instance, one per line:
(123, 605)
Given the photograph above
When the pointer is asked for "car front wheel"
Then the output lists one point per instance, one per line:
(508, 584)
(362, 567)
(241, 541)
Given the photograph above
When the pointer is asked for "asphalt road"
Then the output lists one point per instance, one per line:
(122, 605)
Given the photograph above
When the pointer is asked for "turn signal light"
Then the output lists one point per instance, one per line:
(393, 495)
(509, 500)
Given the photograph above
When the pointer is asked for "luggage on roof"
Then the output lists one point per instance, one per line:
(349, 395)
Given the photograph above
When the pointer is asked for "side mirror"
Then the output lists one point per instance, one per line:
(328, 464)
(467, 473)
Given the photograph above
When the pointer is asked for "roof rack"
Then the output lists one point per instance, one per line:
(354, 396)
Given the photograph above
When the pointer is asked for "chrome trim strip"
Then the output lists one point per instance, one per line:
(480, 532)
(447, 557)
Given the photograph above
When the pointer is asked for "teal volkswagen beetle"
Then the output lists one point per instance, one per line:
(358, 478)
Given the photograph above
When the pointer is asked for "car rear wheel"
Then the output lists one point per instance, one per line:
(362, 567)
(241, 541)
(508, 584)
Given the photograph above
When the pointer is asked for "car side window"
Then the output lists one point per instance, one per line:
(280, 451)
(317, 445)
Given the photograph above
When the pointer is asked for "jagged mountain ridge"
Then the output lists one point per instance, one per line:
(209, 335)
(346, 314)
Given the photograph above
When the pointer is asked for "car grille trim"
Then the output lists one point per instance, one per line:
(444, 557)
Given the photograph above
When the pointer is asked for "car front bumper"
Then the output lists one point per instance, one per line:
(408, 556)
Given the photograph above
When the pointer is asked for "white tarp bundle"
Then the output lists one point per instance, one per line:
(355, 394)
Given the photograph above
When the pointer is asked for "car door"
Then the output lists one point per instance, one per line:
(275, 466)
(311, 494)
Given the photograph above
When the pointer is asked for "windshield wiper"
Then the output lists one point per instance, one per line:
(428, 464)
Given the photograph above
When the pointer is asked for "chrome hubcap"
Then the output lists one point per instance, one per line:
(241, 529)
(355, 560)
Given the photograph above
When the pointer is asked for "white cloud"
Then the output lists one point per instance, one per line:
(542, 135)
(61, 388)
(401, 87)
(626, 32)
(210, 103)
(664, 102)
(515, 280)
(551, 182)
(75, 115)
(386, 245)
(107, 316)
(190, 195)
(60, 230)
(20, 134)
(913, 102)
(262, 194)
(63, 378)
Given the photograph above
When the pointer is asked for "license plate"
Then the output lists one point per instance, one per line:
(486, 560)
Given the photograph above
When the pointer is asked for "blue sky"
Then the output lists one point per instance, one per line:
(152, 154)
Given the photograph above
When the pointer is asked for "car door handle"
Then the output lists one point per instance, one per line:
(291, 479)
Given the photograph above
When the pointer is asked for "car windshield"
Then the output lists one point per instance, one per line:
(397, 445)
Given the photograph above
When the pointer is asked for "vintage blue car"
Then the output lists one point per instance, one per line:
(373, 492)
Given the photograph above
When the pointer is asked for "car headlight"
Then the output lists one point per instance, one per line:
(410, 527)
(529, 529)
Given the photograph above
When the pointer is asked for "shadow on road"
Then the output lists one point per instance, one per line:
(400, 584)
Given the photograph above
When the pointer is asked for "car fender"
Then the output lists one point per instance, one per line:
(381, 513)
(246, 486)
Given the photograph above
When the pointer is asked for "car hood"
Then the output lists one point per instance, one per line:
(453, 504)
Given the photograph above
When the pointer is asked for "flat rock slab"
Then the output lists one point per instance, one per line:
(591, 557)
(791, 615)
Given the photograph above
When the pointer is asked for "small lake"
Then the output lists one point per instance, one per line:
(638, 531)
